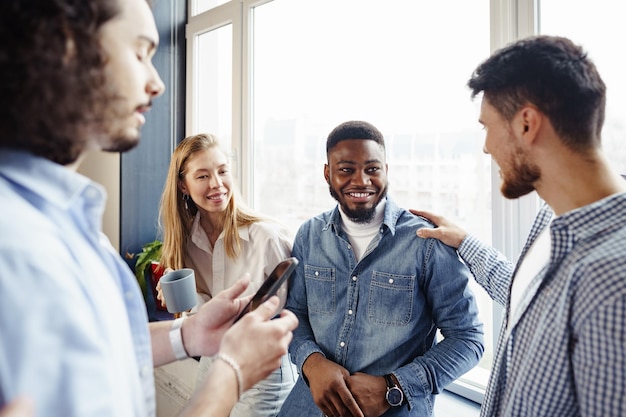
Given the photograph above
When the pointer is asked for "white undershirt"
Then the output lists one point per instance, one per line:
(361, 234)
(536, 258)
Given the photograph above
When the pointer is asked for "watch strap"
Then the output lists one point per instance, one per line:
(390, 383)
(176, 339)
(394, 395)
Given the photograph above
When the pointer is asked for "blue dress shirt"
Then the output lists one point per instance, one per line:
(380, 315)
(73, 324)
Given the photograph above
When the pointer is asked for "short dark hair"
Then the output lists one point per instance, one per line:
(553, 74)
(354, 129)
(52, 81)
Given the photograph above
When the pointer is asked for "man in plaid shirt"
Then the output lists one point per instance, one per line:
(562, 348)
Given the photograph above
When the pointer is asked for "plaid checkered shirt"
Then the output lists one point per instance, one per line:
(565, 354)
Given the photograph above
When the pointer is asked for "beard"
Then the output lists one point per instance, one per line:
(521, 179)
(120, 141)
(114, 129)
(360, 214)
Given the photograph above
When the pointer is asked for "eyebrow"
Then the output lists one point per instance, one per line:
(225, 165)
(369, 161)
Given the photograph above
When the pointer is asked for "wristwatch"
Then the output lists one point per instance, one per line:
(394, 394)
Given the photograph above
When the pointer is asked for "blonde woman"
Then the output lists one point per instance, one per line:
(207, 228)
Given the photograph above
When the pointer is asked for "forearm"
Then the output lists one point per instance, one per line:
(217, 396)
(303, 344)
(441, 365)
(168, 342)
(162, 352)
(489, 267)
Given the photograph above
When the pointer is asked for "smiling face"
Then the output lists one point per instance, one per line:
(356, 174)
(517, 171)
(208, 181)
(129, 42)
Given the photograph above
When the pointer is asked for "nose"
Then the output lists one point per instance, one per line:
(360, 177)
(485, 149)
(155, 86)
(215, 181)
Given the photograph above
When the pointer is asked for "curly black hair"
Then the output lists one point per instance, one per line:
(52, 82)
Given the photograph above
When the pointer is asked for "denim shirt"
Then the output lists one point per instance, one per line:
(380, 315)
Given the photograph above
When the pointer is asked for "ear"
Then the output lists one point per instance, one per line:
(327, 173)
(182, 187)
(529, 124)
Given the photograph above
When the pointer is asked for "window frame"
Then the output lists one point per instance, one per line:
(509, 20)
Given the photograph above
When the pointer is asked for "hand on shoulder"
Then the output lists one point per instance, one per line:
(447, 232)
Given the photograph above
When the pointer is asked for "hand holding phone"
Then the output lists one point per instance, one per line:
(270, 287)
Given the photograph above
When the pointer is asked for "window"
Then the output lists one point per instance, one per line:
(272, 78)
(352, 59)
(201, 6)
(600, 44)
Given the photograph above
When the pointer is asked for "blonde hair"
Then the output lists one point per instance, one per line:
(175, 220)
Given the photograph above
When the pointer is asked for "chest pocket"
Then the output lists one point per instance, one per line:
(320, 288)
(391, 299)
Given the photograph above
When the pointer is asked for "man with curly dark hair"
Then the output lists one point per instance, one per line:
(77, 76)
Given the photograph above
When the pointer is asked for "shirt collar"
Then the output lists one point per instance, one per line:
(54, 183)
(593, 218)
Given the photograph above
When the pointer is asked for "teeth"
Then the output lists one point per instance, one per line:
(359, 195)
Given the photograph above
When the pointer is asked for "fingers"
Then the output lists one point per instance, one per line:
(268, 308)
(288, 320)
(160, 294)
(426, 232)
(343, 404)
(432, 217)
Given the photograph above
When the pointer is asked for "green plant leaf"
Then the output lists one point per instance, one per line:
(151, 251)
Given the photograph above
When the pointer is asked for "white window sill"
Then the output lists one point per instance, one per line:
(449, 404)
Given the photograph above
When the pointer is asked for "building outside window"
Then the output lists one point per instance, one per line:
(272, 78)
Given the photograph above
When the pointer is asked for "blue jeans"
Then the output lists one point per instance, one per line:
(265, 398)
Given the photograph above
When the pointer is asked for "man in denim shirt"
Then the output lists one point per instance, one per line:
(370, 297)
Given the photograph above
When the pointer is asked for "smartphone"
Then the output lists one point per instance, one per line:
(270, 287)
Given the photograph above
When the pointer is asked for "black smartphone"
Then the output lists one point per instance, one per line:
(270, 287)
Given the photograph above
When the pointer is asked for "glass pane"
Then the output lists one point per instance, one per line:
(399, 64)
(214, 84)
(201, 6)
(598, 36)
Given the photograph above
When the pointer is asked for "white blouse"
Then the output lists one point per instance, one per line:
(263, 245)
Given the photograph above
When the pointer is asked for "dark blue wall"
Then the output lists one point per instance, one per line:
(143, 170)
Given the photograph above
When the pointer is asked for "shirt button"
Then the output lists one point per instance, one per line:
(349, 247)
(354, 278)
(391, 280)
(350, 312)
(342, 344)
(317, 273)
